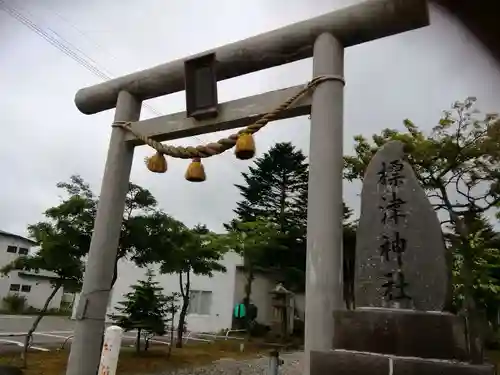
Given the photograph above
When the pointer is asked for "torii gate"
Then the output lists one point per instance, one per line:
(324, 38)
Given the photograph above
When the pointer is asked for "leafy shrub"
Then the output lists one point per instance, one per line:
(14, 303)
(259, 330)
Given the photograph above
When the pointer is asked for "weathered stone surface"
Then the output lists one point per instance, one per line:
(408, 243)
(417, 366)
(341, 362)
(402, 333)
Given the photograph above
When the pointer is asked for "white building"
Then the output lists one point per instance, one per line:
(212, 298)
(35, 287)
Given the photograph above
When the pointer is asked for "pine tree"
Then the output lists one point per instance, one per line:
(275, 190)
(144, 309)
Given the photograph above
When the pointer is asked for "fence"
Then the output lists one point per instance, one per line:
(189, 336)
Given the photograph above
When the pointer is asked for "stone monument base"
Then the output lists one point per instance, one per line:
(393, 341)
(345, 362)
(410, 333)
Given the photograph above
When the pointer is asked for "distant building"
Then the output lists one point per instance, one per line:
(262, 286)
(35, 287)
(212, 298)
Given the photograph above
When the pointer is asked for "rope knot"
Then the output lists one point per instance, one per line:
(121, 124)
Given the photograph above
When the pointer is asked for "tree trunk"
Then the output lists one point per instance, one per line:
(171, 332)
(349, 264)
(33, 328)
(449, 293)
(185, 289)
(283, 202)
(138, 341)
(182, 321)
(472, 316)
(248, 293)
(115, 274)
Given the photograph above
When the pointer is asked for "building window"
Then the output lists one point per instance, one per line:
(200, 302)
(12, 249)
(26, 288)
(15, 287)
(23, 251)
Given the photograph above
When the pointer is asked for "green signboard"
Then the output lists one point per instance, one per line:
(240, 311)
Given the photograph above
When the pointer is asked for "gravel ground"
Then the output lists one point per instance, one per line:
(257, 366)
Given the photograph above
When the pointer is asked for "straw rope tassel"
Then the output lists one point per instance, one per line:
(243, 139)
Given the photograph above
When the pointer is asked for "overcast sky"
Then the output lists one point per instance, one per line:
(45, 139)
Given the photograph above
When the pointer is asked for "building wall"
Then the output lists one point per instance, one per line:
(300, 305)
(221, 285)
(40, 287)
(261, 296)
(36, 297)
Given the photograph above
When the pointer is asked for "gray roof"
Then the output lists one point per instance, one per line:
(12, 235)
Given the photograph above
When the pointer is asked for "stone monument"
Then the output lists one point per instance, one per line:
(401, 285)
(400, 251)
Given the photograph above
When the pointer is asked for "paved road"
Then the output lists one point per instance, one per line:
(21, 323)
(51, 333)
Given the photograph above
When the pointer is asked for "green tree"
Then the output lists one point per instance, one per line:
(144, 309)
(178, 250)
(458, 164)
(349, 257)
(77, 210)
(484, 248)
(57, 254)
(253, 240)
(172, 309)
(275, 189)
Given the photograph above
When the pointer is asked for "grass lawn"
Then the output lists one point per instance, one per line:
(153, 361)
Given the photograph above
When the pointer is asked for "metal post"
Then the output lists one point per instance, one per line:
(325, 209)
(91, 311)
(274, 363)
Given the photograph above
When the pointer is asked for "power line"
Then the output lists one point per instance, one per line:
(74, 27)
(68, 49)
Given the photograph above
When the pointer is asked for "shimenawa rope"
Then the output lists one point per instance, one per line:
(224, 144)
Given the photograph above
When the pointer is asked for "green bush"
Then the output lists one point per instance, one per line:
(259, 330)
(14, 303)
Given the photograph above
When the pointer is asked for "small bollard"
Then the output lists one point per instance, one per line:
(110, 350)
(274, 362)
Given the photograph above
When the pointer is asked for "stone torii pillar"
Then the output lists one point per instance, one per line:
(325, 37)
